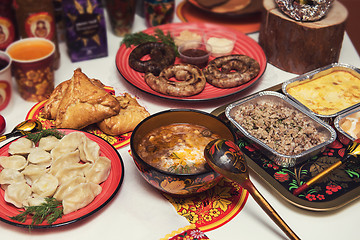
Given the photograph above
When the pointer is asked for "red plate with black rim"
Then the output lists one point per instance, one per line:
(109, 189)
(243, 45)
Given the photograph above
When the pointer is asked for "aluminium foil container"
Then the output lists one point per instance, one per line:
(347, 130)
(277, 98)
(341, 95)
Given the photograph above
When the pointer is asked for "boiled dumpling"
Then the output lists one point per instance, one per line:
(67, 187)
(70, 142)
(48, 143)
(17, 162)
(9, 176)
(39, 156)
(89, 150)
(73, 139)
(99, 171)
(35, 200)
(60, 151)
(80, 196)
(33, 172)
(45, 185)
(17, 194)
(71, 171)
(64, 160)
(21, 146)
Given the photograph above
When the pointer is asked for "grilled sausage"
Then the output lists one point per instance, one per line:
(191, 80)
(231, 71)
(161, 56)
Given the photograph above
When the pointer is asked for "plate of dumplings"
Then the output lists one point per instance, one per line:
(31, 172)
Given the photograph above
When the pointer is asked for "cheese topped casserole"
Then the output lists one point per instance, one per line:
(327, 94)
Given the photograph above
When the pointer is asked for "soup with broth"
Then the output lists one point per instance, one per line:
(177, 148)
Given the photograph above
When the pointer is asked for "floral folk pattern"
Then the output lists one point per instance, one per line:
(35, 85)
(334, 185)
(337, 183)
(212, 208)
(191, 234)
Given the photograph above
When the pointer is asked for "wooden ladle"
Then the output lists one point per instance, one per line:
(30, 125)
(226, 158)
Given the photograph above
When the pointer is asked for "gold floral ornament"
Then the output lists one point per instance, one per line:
(212, 208)
(305, 10)
(35, 85)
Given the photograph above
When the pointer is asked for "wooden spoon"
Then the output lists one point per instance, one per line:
(226, 158)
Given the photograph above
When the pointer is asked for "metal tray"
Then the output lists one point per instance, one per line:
(280, 99)
(336, 190)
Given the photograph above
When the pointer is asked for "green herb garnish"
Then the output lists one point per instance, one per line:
(173, 155)
(50, 210)
(35, 137)
(179, 169)
(135, 39)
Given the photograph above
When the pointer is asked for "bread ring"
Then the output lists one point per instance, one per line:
(161, 56)
(231, 71)
(312, 10)
(191, 80)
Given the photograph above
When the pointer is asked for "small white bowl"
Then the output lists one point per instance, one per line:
(221, 42)
(184, 34)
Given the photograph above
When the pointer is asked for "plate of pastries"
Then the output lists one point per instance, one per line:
(87, 104)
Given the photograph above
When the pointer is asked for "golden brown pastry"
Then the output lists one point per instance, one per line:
(52, 104)
(84, 103)
(130, 115)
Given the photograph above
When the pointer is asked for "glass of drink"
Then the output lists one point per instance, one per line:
(33, 67)
(5, 80)
(121, 14)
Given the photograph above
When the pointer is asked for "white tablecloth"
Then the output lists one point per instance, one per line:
(139, 212)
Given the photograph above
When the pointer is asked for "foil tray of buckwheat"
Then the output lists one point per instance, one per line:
(284, 131)
(326, 92)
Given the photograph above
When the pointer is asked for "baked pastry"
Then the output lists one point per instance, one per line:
(84, 103)
(130, 115)
(52, 104)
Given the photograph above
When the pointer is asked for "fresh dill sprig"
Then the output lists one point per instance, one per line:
(165, 38)
(50, 210)
(173, 155)
(180, 169)
(138, 38)
(35, 137)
